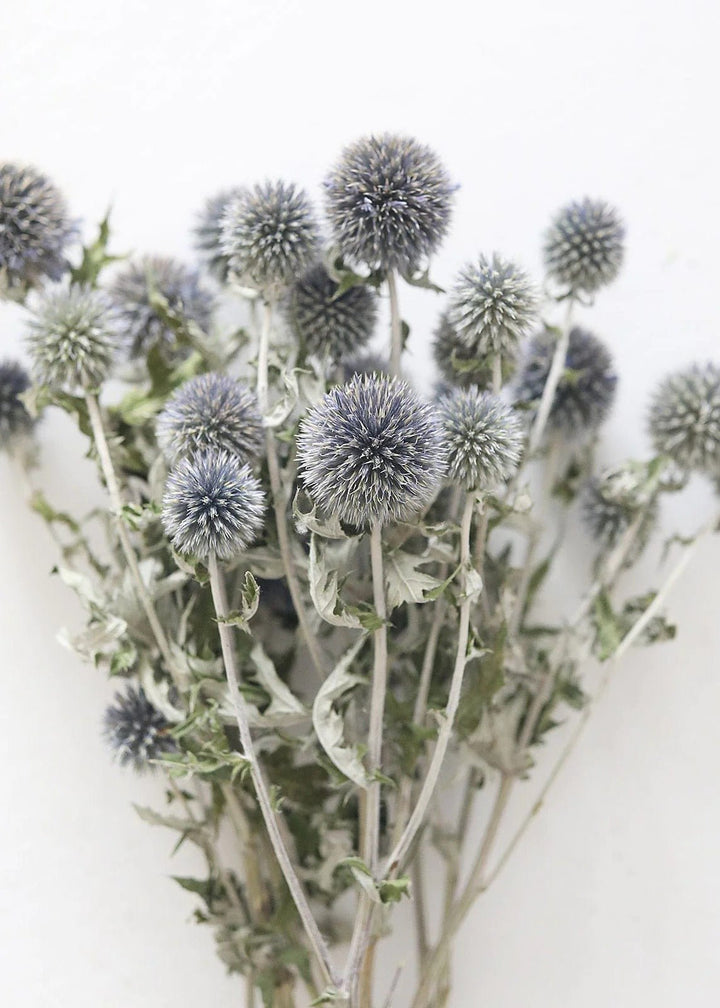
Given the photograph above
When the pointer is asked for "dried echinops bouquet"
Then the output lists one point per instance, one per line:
(317, 589)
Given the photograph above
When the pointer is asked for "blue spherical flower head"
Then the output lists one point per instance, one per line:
(211, 411)
(328, 322)
(139, 324)
(15, 421)
(72, 339)
(136, 731)
(586, 390)
(484, 438)
(388, 201)
(685, 418)
(372, 451)
(213, 505)
(492, 306)
(585, 246)
(34, 230)
(269, 236)
(208, 232)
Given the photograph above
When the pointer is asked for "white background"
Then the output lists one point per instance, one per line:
(615, 896)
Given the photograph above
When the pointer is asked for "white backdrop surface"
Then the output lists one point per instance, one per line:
(614, 898)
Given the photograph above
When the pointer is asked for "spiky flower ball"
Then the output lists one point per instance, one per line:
(685, 418)
(484, 437)
(136, 731)
(584, 246)
(388, 200)
(208, 232)
(211, 411)
(586, 390)
(371, 451)
(212, 505)
(328, 322)
(269, 235)
(72, 339)
(15, 421)
(35, 229)
(492, 305)
(612, 503)
(140, 324)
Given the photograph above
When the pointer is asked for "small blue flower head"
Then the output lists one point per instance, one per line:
(484, 438)
(269, 236)
(72, 339)
(388, 201)
(139, 324)
(584, 246)
(327, 322)
(211, 411)
(614, 501)
(371, 451)
(35, 230)
(492, 306)
(685, 418)
(586, 390)
(15, 421)
(136, 731)
(213, 505)
(208, 233)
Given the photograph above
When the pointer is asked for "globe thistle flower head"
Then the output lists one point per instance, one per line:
(139, 323)
(371, 451)
(388, 201)
(584, 246)
(327, 322)
(492, 306)
(612, 503)
(685, 418)
(72, 339)
(15, 421)
(213, 505)
(484, 437)
(208, 232)
(269, 235)
(34, 230)
(136, 731)
(211, 411)
(586, 390)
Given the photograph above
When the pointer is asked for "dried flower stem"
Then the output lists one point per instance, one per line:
(395, 324)
(280, 503)
(116, 503)
(317, 942)
(370, 826)
(497, 378)
(402, 847)
(553, 379)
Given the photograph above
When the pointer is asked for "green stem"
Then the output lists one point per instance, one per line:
(317, 942)
(395, 324)
(553, 380)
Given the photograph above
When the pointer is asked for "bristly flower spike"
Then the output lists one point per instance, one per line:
(72, 339)
(140, 324)
(492, 306)
(269, 236)
(136, 731)
(213, 505)
(15, 421)
(388, 201)
(584, 246)
(211, 411)
(35, 230)
(484, 438)
(685, 418)
(208, 232)
(371, 452)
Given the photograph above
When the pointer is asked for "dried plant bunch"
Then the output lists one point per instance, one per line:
(319, 586)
